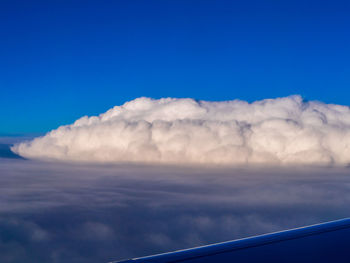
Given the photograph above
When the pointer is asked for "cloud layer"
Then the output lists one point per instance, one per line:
(273, 131)
(90, 213)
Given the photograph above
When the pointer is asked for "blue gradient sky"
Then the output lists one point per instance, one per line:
(64, 59)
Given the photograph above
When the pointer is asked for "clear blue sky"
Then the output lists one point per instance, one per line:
(61, 59)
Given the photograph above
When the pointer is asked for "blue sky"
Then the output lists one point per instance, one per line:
(64, 59)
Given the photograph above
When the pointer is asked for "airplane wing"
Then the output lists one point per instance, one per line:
(327, 242)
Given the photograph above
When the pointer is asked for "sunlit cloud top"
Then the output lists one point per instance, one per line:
(185, 131)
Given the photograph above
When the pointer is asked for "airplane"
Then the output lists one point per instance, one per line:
(325, 242)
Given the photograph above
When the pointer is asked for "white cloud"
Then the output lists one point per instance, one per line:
(272, 131)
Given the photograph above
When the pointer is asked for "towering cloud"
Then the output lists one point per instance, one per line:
(273, 131)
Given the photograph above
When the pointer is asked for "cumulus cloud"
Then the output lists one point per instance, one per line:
(286, 130)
